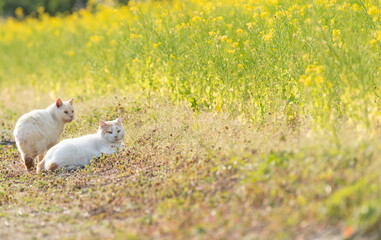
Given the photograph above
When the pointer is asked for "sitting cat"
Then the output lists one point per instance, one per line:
(71, 154)
(37, 131)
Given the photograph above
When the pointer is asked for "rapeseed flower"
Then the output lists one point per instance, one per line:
(355, 7)
(236, 44)
(336, 35)
(19, 12)
(156, 45)
(267, 37)
(373, 11)
(312, 75)
(373, 42)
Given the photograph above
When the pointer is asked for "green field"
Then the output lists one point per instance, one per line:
(244, 119)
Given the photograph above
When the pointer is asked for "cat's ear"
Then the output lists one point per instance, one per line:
(59, 102)
(102, 124)
(71, 101)
(119, 120)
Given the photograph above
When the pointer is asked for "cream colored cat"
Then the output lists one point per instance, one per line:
(37, 131)
(78, 152)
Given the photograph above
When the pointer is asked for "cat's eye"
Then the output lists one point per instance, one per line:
(72, 111)
(66, 112)
(118, 131)
(109, 132)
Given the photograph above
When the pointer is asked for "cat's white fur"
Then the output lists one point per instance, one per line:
(37, 131)
(78, 152)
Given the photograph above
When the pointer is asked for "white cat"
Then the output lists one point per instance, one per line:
(37, 131)
(78, 152)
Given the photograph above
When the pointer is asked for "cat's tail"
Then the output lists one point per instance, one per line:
(41, 166)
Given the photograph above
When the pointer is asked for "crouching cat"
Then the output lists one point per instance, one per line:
(37, 131)
(74, 153)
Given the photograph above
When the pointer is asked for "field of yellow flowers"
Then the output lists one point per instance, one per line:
(290, 89)
(300, 61)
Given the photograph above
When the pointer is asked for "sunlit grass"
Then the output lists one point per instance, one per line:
(303, 61)
(186, 175)
(263, 113)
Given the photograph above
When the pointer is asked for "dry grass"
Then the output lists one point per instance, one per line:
(193, 175)
(305, 74)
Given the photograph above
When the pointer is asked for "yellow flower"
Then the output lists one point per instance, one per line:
(310, 69)
(236, 44)
(239, 31)
(267, 37)
(96, 39)
(319, 79)
(373, 42)
(306, 80)
(223, 38)
(40, 10)
(19, 12)
(319, 69)
(355, 7)
(156, 45)
(373, 10)
(272, 2)
(133, 35)
(264, 14)
(336, 34)
(240, 66)
(70, 53)
(196, 19)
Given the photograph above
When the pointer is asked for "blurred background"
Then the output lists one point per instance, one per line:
(52, 7)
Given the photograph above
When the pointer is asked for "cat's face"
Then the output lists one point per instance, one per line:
(65, 110)
(112, 131)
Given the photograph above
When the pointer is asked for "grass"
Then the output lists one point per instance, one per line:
(305, 61)
(183, 175)
(254, 120)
